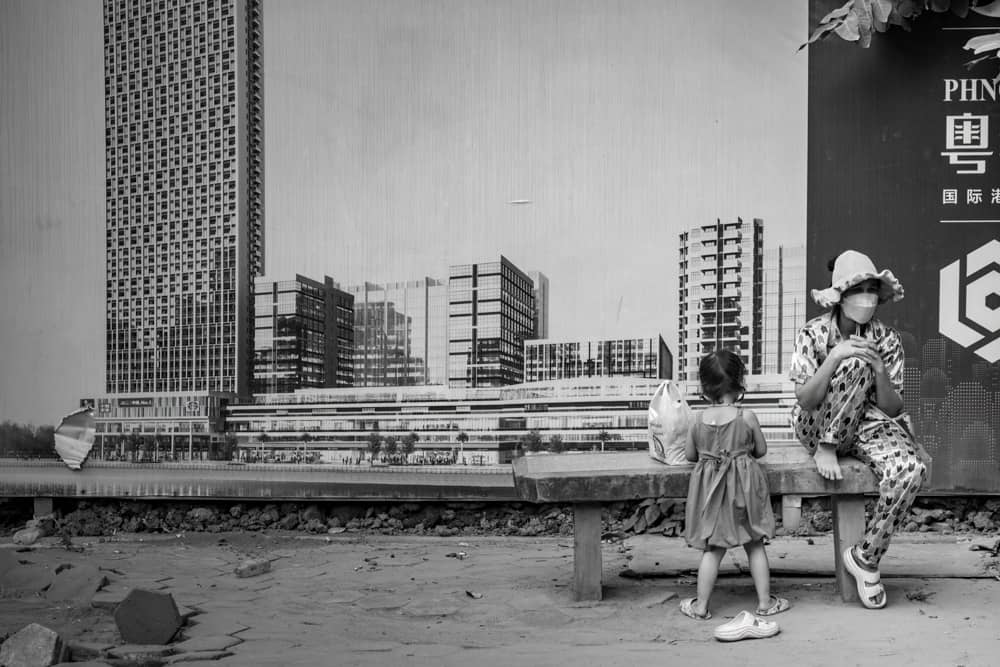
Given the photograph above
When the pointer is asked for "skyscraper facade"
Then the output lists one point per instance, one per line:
(720, 294)
(541, 294)
(184, 193)
(491, 312)
(619, 357)
(304, 335)
(401, 333)
(784, 305)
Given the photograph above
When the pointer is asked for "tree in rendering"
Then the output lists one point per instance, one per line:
(462, 438)
(263, 439)
(409, 444)
(391, 445)
(531, 441)
(374, 444)
(306, 438)
(229, 445)
(556, 444)
(603, 436)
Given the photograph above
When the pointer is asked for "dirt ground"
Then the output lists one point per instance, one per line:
(354, 599)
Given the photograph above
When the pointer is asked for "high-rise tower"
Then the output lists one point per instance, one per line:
(721, 294)
(184, 143)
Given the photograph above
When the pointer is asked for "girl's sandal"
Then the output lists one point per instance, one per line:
(687, 608)
(780, 605)
(869, 583)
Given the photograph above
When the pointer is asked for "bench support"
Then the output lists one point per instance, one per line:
(791, 511)
(587, 565)
(42, 507)
(848, 529)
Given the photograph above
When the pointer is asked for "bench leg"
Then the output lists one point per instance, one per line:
(587, 564)
(791, 512)
(43, 507)
(848, 529)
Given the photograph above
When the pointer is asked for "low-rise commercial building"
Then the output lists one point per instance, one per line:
(597, 357)
(482, 425)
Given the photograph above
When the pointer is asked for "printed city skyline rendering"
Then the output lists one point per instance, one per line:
(398, 181)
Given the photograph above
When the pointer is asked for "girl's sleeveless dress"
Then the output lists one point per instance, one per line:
(728, 502)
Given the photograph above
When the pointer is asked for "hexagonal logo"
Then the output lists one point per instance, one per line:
(969, 301)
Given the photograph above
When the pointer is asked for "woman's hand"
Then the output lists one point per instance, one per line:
(860, 347)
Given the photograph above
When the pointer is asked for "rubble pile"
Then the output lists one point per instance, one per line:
(973, 514)
(657, 515)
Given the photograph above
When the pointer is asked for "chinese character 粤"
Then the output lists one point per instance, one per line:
(966, 141)
(949, 196)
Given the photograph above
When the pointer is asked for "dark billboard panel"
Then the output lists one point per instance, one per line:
(904, 165)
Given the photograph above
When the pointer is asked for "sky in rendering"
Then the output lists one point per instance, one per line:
(398, 133)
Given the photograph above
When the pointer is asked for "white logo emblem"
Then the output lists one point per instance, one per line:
(977, 292)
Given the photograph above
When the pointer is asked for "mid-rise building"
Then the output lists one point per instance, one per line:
(626, 357)
(784, 305)
(491, 312)
(184, 186)
(304, 335)
(400, 333)
(721, 294)
(541, 294)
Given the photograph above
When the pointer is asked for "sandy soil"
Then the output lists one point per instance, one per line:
(352, 599)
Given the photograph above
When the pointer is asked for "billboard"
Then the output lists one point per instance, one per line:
(904, 165)
(144, 402)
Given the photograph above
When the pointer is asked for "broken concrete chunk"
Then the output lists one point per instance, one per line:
(27, 536)
(141, 653)
(147, 617)
(200, 657)
(76, 584)
(80, 651)
(45, 525)
(253, 567)
(33, 645)
(25, 580)
(109, 597)
(210, 643)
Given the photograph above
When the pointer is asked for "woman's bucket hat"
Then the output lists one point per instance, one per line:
(851, 268)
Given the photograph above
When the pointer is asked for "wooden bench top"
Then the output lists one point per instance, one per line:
(611, 476)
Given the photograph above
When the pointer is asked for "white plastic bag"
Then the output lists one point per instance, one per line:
(670, 419)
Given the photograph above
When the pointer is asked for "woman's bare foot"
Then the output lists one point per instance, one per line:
(826, 461)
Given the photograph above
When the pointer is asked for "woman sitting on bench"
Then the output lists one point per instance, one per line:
(848, 374)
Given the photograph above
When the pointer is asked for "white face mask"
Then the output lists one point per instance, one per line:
(860, 307)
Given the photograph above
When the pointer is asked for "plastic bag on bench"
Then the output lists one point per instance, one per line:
(670, 420)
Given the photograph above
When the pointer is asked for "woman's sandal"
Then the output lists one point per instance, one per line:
(869, 583)
(780, 605)
(687, 608)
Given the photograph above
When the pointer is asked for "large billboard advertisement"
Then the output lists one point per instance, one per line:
(904, 164)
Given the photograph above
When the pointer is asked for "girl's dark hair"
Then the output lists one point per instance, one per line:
(721, 372)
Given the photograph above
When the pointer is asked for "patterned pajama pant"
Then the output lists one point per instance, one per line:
(886, 445)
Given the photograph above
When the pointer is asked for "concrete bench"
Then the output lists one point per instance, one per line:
(588, 480)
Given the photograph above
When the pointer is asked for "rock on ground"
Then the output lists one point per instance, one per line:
(33, 646)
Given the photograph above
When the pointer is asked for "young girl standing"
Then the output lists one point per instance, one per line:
(728, 502)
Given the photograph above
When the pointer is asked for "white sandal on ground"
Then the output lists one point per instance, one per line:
(746, 626)
(869, 583)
